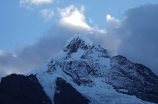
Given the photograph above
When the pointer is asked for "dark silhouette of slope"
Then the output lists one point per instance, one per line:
(66, 94)
(20, 89)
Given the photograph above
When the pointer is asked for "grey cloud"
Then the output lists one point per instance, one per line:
(33, 56)
(137, 36)
(141, 43)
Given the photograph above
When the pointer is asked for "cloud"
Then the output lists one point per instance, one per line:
(113, 21)
(47, 14)
(24, 1)
(73, 17)
(139, 34)
(90, 20)
(110, 9)
(28, 4)
(24, 59)
(135, 36)
(35, 2)
(96, 29)
(1, 53)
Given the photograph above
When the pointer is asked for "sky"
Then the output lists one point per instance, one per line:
(31, 31)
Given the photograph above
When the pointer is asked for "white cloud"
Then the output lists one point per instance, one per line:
(47, 14)
(99, 30)
(113, 21)
(29, 7)
(82, 9)
(28, 3)
(67, 11)
(36, 2)
(14, 55)
(74, 17)
(1, 53)
(58, 1)
(24, 1)
(90, 20)
(110, 9)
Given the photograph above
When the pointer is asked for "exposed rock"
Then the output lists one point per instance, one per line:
(136, 79)
(20, 89)
(66, 94)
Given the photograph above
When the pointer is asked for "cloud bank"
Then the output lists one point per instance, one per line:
(24, 59)
(139, 34)
(135, 36)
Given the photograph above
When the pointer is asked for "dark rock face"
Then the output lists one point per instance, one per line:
(66, 94)
(20, 89)
(75, 44)
(137, 79)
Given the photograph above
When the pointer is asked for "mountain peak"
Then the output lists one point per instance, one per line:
(78, 37)
(78, 41)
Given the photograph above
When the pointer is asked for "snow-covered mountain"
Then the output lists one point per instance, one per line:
(96, 76)
(82, 73)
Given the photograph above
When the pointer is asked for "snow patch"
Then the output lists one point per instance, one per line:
(103, 93)
(61, 54)
(78, 54)
(123, 90)
(48, 83)
(38, 70)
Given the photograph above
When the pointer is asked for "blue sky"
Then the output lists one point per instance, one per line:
(29, 28)
(20, 25)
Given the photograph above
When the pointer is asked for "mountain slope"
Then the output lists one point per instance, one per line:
(20, 89)
(136, 79)
(97, 76)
